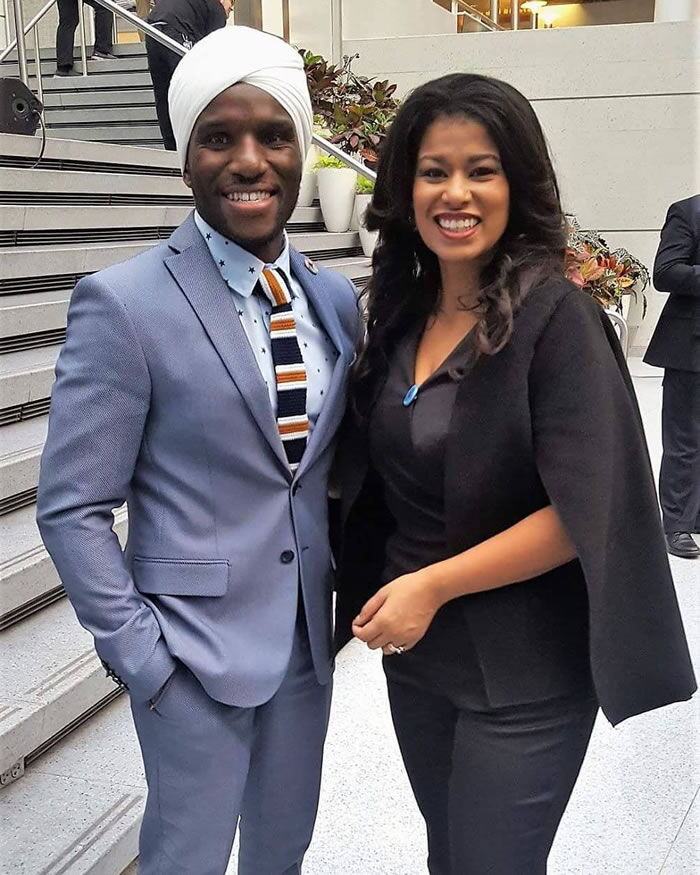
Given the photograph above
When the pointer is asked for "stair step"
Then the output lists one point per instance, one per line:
(28, 579)
(24, 186)
(114, 79)
(27, 376)
(81, 155)
(117, 133)
(355, 267)
(97, 67)
(34, 262)
(25, 220)
(77, 809)
(55, 100)
(51, 675)
(22, 315)
(48, 53)
(58, 119)
(20, 450)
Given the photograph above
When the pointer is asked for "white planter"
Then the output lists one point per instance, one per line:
(307, 189)
(368, 239)
(336, 191)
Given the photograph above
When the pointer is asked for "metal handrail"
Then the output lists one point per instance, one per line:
(27, 27)
(477, 16)
(177, 47)
(619, 322)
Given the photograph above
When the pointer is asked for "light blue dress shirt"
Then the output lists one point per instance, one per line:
(241, 271)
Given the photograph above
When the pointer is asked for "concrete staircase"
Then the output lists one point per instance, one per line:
(113, 104)
(73, 787)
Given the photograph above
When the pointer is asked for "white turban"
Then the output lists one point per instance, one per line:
(231, 55)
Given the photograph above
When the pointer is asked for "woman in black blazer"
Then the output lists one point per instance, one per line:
(501, 538)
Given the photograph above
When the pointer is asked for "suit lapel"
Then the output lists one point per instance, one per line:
(334, 405)
(193, 269)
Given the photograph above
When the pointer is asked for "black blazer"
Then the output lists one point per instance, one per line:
(676, 340)
(552, 418)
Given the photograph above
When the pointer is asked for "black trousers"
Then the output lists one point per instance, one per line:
(65, 33)
(161, 65)
(491, 784)
(679, 479)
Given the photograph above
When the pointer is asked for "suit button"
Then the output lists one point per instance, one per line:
(287, 556)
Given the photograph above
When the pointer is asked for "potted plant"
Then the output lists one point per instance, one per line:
(364, 189)
(336, 192)
(613, 278)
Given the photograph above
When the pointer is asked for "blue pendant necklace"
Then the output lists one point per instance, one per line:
(411, 395)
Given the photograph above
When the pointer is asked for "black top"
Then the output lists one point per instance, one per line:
(189, 20)
(551, 419)
(676, 340)
(407, 449)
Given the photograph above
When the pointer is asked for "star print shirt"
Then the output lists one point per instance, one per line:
(241, 271)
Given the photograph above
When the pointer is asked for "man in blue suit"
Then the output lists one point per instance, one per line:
(203, 382)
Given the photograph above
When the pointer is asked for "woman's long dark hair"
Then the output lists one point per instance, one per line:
(405, 287)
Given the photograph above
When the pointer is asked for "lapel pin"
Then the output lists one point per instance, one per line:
(310, 266)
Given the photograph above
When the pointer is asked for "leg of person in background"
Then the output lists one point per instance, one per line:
(65, 35)
(679, 483)
(103, 31)
(161, 65)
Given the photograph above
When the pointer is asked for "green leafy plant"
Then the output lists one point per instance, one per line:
(356, 110)
(364, 185)
(329, 161)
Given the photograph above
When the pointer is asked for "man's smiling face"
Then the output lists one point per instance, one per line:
(244, 167)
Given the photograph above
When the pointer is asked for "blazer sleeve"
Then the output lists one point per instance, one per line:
(592, 458)
(99, 405)
(674, 267)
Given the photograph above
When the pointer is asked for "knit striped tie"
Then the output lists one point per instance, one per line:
(290, 373)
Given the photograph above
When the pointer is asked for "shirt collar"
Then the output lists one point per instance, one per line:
(239, 268)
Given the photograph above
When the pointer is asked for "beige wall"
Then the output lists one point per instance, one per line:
(620, 107)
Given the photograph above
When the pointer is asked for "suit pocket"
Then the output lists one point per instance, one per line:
(181, 577)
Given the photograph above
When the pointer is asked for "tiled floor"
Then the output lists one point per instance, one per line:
(635, 810)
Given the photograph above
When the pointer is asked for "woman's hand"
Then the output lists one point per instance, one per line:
(399, 613)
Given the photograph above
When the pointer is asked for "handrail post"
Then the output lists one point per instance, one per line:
(81, 28)
(515, 15)
(337, 32)
(494, 10)
(37, 60)
(21, 47)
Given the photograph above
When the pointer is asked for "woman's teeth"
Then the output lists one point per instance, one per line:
(457, 224)
(249, 196)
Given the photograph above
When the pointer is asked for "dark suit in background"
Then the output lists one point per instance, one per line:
(187, 22)
(675, 346)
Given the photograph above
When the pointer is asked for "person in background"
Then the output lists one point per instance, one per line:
(68, 19)
(501, 542)
(675, 346)
(187, 22)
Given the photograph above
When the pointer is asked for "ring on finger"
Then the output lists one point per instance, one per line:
(395, 649)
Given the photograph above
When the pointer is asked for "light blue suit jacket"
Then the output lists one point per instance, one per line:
(159, 402)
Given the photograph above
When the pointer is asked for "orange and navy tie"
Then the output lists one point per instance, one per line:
(290, 372)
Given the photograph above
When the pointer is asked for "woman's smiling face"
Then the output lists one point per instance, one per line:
(461, 195)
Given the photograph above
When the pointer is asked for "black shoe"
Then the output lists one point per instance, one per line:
(66, 71)
(104, 56)
(682, 544)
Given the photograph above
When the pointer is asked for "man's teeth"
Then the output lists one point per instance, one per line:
(249, 196)
(457, 224)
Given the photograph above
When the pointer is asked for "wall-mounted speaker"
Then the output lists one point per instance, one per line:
(19, 108)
